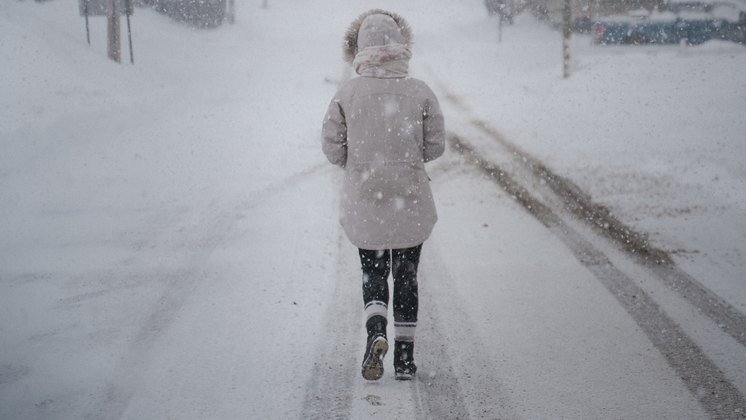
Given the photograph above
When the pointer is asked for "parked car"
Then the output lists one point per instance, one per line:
(669, 28)
(736, 32)
(672, 31)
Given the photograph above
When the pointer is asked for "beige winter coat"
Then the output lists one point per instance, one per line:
(381, 128)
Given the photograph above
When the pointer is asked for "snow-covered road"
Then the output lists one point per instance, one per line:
(169, 245)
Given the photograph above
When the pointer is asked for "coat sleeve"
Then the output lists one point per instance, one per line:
(434, 132)
(334, 134)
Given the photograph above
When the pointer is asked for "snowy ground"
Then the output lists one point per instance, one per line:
(169, 245)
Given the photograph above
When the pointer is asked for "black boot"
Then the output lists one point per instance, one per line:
(404, 366)
(375, 348)
(376, 325)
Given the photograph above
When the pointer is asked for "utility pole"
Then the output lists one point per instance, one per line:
(500, 28)
(566, 33)
(114, 32)
(231, 11)
(87, 27)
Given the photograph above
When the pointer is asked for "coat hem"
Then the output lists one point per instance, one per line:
(381, 246)
(376, 248)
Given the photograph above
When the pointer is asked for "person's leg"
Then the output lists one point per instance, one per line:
(376, 267)
(405, 263)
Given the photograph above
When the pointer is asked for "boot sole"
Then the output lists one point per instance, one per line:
(404, 376)
(373, 364)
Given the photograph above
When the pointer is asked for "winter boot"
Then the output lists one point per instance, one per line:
(375, 349)
(404, 366)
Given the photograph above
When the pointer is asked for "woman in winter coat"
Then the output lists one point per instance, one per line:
(382, 127)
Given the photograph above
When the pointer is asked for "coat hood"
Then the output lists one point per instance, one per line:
(375, 27)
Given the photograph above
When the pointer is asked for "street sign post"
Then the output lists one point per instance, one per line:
(112, 9)
(105, 7)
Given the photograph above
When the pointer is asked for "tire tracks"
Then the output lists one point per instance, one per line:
(705, 381)
(601, 219)
(201, 233)
(329, 393)
(439, 392)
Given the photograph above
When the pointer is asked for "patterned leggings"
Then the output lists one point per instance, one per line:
(402, 263)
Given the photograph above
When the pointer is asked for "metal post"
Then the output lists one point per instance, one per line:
(128, 10)
(566, 32)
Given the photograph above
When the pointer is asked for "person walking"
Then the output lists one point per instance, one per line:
(382, 127)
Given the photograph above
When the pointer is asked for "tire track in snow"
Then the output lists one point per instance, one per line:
(635, 243)
(259, 196)
(335, 365)
(705, 381)
(436, 388)
(439, 391)
(198, 238)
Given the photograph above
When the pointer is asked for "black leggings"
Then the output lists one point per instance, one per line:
(402, 263)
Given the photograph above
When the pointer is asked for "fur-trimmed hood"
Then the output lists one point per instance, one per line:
(402, 33)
